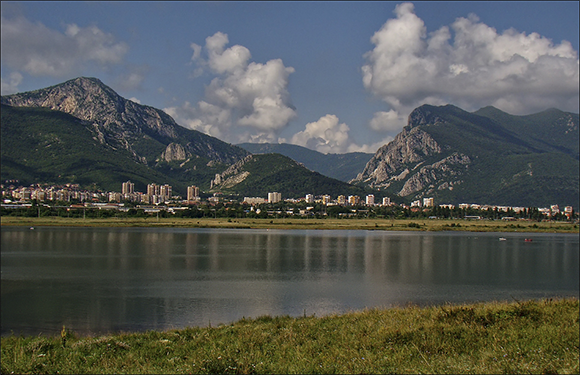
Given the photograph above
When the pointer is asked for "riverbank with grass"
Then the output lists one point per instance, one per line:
(516, 337)
(296, 223)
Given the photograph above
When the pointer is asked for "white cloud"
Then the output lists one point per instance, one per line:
(10, 85)
(468, 64)
(38, 50)
(205, 117)
(325, 135)
(222, 61)
(245, 101)
(135, 100)
(328, 135)
(370, 149)
(387, 121)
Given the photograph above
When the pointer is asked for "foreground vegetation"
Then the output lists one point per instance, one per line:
(518, 337)
(296, 223)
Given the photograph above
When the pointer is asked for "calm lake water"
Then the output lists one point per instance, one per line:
(97, 280)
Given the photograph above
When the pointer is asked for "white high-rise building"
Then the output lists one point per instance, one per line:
(309, 198)
(165, 191)
(370, 200)
(274, 197)
(192, 193)
(153, 189)
(386, 201)
(128, 188)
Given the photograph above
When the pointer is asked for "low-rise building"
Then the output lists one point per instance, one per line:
(353, 200)
(254, 200)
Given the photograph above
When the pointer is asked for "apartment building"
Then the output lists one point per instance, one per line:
(370, 200)
(192, 193)
(274, 197)
(128, 188)
(353, 200)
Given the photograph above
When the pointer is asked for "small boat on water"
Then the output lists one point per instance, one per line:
(502, 239)
(528, 240)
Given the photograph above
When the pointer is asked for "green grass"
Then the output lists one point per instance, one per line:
(519, 337)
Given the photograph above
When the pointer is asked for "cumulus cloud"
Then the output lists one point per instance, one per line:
(390, 121)
(324, 135)
(38, 50)
(231, 60)
(468, 64)
(10, 85)
(205, 117)
(328, 135)
(246, 100)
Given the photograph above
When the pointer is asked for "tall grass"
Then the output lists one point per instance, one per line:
(518, 337)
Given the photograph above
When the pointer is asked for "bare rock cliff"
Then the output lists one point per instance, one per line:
(414, 160)
(174, 151)
(233, 175)
(89, 99)
(124, 124)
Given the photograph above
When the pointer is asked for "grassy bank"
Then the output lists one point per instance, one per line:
(295, 223)
(519, 337)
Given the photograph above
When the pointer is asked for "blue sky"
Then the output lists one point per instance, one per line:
(332, 76)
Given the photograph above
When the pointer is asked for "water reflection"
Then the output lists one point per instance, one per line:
(108, 279)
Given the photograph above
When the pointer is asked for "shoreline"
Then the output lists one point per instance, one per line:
(481, 225)
(533, 336)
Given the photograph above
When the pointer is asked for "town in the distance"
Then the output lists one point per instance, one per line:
(70, 198)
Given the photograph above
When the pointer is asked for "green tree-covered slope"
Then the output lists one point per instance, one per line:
(343, 167)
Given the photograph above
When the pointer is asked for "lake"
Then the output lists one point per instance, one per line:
(98, 280)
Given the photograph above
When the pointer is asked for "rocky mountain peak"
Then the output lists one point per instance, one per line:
(123, 124)
(488, 155)
(424, 115)
(393, 161)
(91, 100)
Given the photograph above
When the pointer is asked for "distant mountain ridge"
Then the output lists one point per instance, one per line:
(148, 133)
(81, 131)
(487, 156)
(343, 167)
(257, 175)
(40, 145)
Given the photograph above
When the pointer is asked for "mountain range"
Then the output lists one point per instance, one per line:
(81, 131)
(487, 156)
